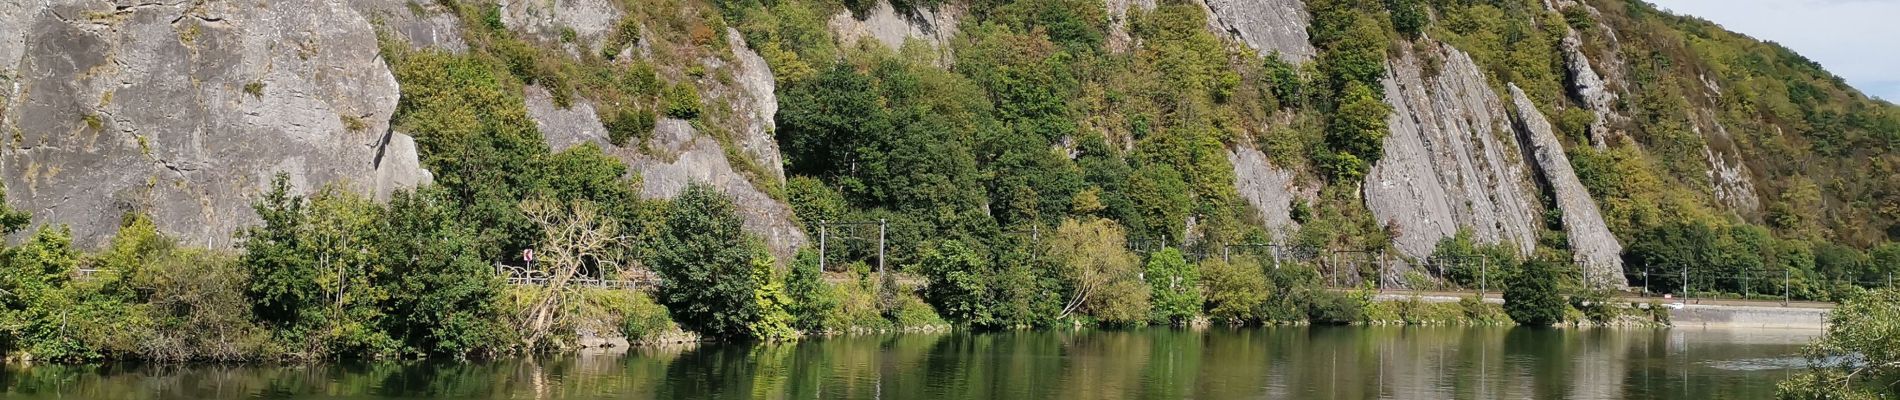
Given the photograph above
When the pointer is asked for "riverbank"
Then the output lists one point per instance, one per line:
(1740, 314)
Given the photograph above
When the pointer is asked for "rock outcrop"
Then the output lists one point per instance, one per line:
(891, 26)
(421, 25)
(186, 110)
(1592, 246)
(1268, 26)
(681, 156)
(1269, 190)
(755, 104)
(1590, 88)
(1451, 161)
(581, 25)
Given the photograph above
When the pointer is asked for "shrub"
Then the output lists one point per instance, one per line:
(813, 301)
(681, 100)
(1235, 293)
(1532, 298)
(706, 258)
(628, 123)
(1332, 308)
(644, 319)
(1176, 287)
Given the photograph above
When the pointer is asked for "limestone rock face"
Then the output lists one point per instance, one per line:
(1265, 25)
(1587, 86)
(186, 110)
(1592, 246)
(422, 25)
(891, 26)
(1451, 160)
(1268, 189)
(756, 104)
(684, 156)
(590, 20)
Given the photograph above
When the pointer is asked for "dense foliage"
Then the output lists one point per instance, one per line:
(1533, 297)
(1858, 357)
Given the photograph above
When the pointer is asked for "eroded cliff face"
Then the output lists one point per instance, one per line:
(185, 110)
(891, 27)
(678, 154)
(1268, 26)
(1592, 246)
(1451, 160)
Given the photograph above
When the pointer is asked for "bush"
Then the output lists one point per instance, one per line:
(682, 101)
(1176, 287)
(1094, 262)
(705, 257)
(628, 123)
(1332, 308)
(959, 282)
(644, 319)
(813, 301)
(1532, 298)
(1235, 292)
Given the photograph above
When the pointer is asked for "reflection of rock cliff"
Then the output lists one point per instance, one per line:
(184, 110)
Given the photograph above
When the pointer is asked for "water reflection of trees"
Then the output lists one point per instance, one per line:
(1272, 362)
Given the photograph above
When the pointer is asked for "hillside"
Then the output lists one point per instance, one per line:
(1602, 132)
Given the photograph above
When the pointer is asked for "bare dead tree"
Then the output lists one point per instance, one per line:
(574, 234)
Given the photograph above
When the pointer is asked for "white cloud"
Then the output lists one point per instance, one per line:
(1856, 39)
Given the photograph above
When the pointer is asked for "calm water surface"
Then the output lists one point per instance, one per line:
(1280, 362)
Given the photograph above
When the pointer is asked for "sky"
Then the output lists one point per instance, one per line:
(1856, 39)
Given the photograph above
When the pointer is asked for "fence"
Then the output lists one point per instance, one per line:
(630, 280)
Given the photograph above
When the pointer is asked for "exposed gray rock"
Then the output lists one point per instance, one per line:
(421, 24)
(1265, 25)
(757, 106)
(185, 110)
(1728, 175)
(1450, 161)
(1590, 88)
(1268, 189)
(683, 156)
(697, 158)
(1592, 246)
(564, 127)
(892, 27)
(1118, 39)
(590, 20)
(399, 166)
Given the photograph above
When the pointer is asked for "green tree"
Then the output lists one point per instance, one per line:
(812, 301)
(1176, 287)
(284, 292)
(441, 294)
(705, 259)
(1532, 299)
(959, 282)
(1358, 129)
(1409, 17)
(1094, 262)
(1861, 330)
(1235, 292)
(774, 321)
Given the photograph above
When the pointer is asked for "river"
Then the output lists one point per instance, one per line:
(1272, 362)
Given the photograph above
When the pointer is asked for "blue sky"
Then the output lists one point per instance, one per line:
(1856, 39)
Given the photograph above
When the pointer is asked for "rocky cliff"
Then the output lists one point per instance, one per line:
(1451, 160)
(186, 109)
(1592, 245)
